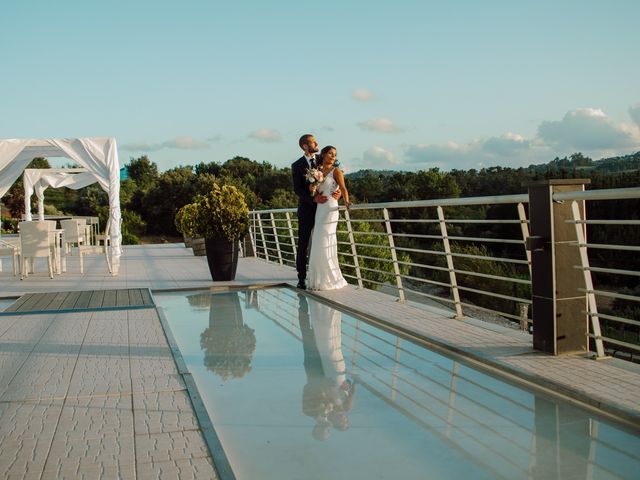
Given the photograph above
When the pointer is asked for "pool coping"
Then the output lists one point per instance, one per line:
(220, 461)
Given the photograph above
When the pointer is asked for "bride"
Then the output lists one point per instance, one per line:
(324, 270)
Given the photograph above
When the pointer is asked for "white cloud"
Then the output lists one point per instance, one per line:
(141, 147)
(383, 125)
(185, 143)
(507, 150)
(441, 156)
(378, 157)
(505, 145)
(180, 143)
(588, 129)
(266, 135)
(634, 113)
(362, 95)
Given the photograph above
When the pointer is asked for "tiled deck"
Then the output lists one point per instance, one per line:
(85, 394)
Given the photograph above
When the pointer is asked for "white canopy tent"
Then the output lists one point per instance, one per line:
(37, 180)
(99, 155)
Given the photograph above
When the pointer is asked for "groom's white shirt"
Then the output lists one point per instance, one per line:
(309, 159)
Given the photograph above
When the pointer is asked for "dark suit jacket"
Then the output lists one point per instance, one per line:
(306, 205)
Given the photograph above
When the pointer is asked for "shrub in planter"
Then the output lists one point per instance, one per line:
(221, 217)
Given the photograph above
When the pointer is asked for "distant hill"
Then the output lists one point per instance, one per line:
(577, 161)
(368, 171)
(619, 164)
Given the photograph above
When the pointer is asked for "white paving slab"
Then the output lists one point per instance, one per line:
(95, 395)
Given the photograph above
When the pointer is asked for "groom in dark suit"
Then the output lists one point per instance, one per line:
(307, 202)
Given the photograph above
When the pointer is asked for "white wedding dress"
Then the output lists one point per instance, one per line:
(324, 270)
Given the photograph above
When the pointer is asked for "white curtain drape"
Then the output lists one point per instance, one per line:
(99, 155)
(37, 180)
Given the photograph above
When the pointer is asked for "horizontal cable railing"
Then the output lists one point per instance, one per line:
(470, 256)
(402, 247)
(612, 292)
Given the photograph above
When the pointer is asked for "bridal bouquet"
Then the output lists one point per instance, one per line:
(315, 177)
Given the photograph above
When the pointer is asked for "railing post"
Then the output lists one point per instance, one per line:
(354, 252)
(293, 242)
(275, 235)
(264, 243)
(452, 274)
(254, 236)
(524, 228)
(394, 257)
(559, 321)
(588, 281)
(247, 244)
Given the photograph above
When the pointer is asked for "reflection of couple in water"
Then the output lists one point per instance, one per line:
(328, 394)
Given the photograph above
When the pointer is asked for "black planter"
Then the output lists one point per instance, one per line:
(222, 257)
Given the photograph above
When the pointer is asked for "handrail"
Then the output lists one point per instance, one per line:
(444, 202)
(603, 194)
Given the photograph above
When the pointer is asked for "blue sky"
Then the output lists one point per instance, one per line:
(392, 84)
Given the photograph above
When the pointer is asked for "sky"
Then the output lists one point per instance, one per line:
(402, 85)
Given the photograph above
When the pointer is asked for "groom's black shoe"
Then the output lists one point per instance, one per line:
(301, 286)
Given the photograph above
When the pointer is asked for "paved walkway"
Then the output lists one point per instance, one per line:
(94, 395)
(91, 394)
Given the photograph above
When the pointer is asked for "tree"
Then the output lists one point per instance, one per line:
(14, 198)
(142, 171)
(283, 198)
(174, 189)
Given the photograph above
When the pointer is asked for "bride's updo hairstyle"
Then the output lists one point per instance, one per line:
(324, 151)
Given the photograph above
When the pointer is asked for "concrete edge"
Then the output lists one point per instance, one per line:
(220, 461)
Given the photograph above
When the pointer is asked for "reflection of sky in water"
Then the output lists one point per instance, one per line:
(5, 302)
(297, 389)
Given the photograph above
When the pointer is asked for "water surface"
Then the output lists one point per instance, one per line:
(298, 389)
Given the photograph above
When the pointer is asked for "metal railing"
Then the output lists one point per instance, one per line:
(622, 330)
(469, 255)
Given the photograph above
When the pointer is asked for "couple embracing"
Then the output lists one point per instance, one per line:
(318, 215)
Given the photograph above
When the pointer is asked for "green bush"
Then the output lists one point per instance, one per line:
(220, 214)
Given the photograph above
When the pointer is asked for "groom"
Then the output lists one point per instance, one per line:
(307, 203)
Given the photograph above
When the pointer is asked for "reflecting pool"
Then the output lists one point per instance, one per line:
(5, 302)
(298, 389)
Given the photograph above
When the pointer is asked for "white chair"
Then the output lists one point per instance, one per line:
(74, 235)
(94, 225)
(56, 245)
(35, 242)
(85, 229)
(9, 249)
(106, 242)
(73, 232)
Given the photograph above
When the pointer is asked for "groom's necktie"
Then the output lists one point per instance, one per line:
(312, 162)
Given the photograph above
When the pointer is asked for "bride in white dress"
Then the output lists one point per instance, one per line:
(324, 270)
